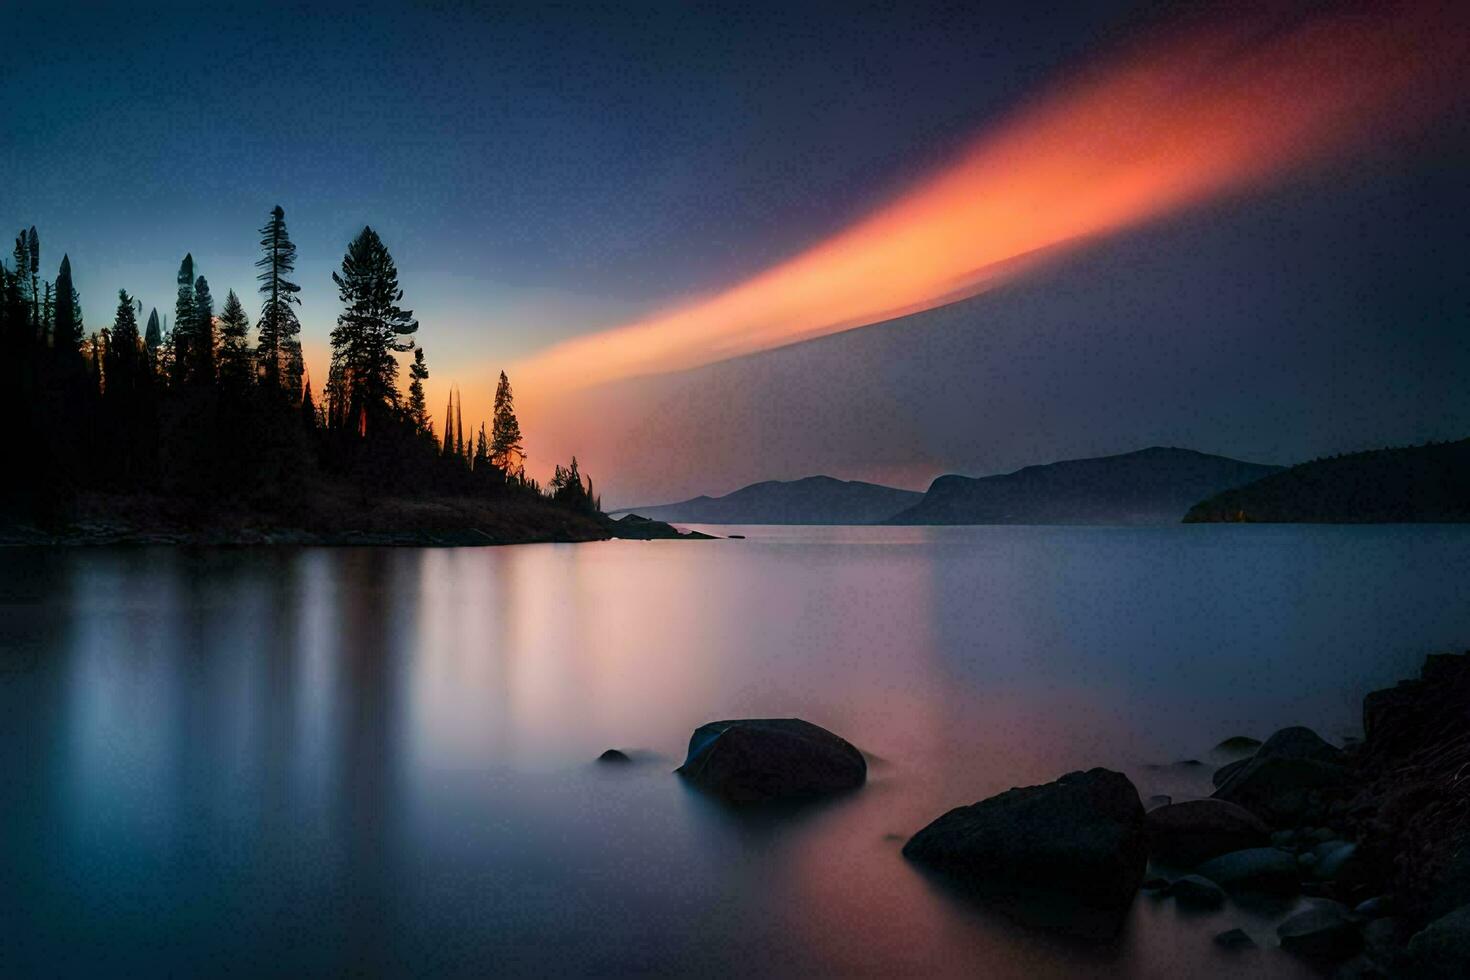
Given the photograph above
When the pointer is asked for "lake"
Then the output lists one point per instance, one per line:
(316, 761)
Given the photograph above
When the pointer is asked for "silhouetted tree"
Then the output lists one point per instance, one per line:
(505, 430)
(124, 349)
(449, 424)
(202, 344)
(368, 331)
(185, 309)
(418, 409)
(153, 340)
(236, 367)
(33, 254)
(482, 451)
(279, 329)
(68, 331)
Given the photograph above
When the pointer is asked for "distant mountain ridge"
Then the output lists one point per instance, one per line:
(1151, 486)
(812, 500)
(1429, 484)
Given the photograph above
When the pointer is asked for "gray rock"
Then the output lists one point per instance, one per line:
(1223, 774)
(1281, 783)
(759, 760)
(1080, 839)
(1197, 830)
(1235, 939)
(1442, 948)
(1192, 891)
(1325, 933)
(1156, 801)
(1375, 908)
(1263, 869)
(1334, 859)
(614, 756)
(1239, 743)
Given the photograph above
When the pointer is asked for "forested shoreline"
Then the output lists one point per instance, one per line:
(196, 424)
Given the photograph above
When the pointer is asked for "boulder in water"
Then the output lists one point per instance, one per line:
(1324, 933)
(1077, 841)
(768, 759)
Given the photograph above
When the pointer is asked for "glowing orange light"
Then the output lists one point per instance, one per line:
(1173, 121)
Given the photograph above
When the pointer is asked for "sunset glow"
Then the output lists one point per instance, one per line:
(1172, 121)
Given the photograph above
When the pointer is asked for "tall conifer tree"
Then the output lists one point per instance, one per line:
(506, 451)
(369, 331)
(236, 370)
(279, 329)
(202, 344)
(185, 309)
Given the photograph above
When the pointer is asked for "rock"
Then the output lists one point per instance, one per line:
(1157, 800)
(1192, 891)
(1235, 939)
(1155, 884)
(614, 756)
(1282, 838)
(1079, 839)
(1325, 933)
(1226, 771)
(1334, 859)
(1239, 743)
(1264, 869)
(1197, 830)
(1375, 908)
(1281, 783)
(1442, 948)
(1383, 945)
(759, 760)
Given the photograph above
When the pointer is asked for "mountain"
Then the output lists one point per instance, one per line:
(1429, 483)
(1151, 486)
(813, 500)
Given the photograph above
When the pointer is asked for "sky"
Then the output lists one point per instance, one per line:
(714, 244)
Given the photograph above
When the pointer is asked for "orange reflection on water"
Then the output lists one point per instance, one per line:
(1169, 122)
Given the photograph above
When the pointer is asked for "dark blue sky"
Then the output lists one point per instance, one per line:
(548, 171)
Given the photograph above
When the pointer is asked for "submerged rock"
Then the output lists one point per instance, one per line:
(1264, 869)
(614, 756)
(1197, 830)
(767, 759)
(1324, 933)
(1077, 840)
(1282, 783)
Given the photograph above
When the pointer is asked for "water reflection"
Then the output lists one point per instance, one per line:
(288, 762)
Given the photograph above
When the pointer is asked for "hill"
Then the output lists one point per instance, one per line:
(1151, 486)
(1429, 483)
(813, 500)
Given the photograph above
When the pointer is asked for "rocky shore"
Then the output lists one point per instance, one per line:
(329, 519)
(1364, 848)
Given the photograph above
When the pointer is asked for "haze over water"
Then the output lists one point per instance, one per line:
(317, 761)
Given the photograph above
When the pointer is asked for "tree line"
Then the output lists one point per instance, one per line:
(196, 410)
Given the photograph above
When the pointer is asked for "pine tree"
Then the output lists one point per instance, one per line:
(506, 451)
(235, 368)
(33, 253)
(449, 424)
(185, 309)
(204, 339)
(418, 409)
(368, 331)
(153, 340)
(459, 444)
(279, 329)
(482, 449)
(124, 348)
(68, 332)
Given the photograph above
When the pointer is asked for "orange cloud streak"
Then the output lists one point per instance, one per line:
(1172, 121)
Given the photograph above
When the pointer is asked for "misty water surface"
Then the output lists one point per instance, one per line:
(315, 761)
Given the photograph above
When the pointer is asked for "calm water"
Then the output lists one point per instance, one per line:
(318, 761)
